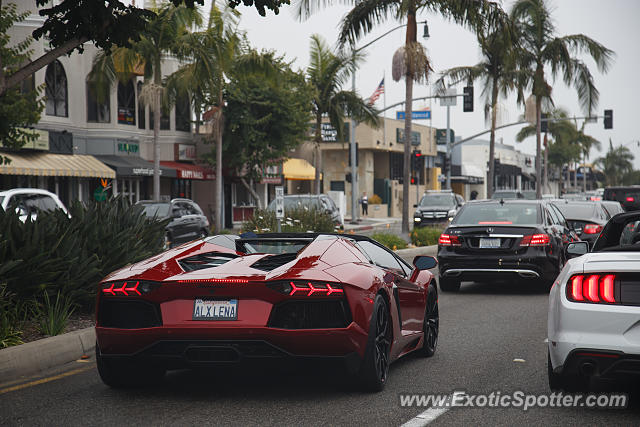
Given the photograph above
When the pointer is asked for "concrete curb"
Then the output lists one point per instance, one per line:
(33, 357)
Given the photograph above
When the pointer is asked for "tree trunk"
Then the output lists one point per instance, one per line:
(157, 104)
(408, 111)
(317, 163)
(546, 163)
(492, 140)
(252, 192)
(538, 150)
(219, 195)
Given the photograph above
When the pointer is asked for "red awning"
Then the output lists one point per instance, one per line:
(190, 171)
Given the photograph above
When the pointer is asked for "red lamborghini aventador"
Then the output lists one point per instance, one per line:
(273, 296)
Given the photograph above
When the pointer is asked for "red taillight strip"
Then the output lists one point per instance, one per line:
(607, 288)
(448, 240)
(611, 356)
(109, 290)
(592, 229)
(576, 288)
(313, 290)
(592, 288)
(333, 290)
(214, 281)
(535, 240)
(133, 289)
(121, 289)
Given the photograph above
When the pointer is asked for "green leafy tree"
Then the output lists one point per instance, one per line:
(147, 53)
(497, 73)
(327, 73)
(544, 55)
(617, 165)
(20, 106)
(410, 61)
(267, 116)
(71, 23)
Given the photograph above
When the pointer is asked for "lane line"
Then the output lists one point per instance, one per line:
(425, 418)
(44, 380)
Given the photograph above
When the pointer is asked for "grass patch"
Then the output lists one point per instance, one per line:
(425, 236)
(390, 240)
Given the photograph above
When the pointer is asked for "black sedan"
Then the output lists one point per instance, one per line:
(502, 241)
(187, 220)
(586, 218)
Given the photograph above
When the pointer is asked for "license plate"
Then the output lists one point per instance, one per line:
(489, 243)
(204, 309)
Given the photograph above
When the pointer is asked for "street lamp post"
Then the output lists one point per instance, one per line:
(352, 134)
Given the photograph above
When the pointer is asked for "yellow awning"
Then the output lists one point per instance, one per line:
(49, 164)
(299, 169)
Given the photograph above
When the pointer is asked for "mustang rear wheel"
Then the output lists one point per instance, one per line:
(375, 365)
(431, 324)
(119, 373)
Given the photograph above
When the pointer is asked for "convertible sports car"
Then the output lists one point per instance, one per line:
(594, 310)
(226, 298)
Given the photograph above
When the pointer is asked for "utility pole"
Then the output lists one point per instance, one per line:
(354, 168)
(448, 148)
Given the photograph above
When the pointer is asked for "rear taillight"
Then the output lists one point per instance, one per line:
(300, 288)
(592, 229)
(449, 240)
(593, 288)
(630, 199)
(535, 240)
(130, 288)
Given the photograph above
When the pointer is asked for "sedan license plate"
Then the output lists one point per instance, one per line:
(204, 309)
(489, 243)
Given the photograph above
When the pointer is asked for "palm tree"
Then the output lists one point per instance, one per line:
(541, 49)
(410, 61)
(327, 73)
(496, 71)
(562, 130)
(616, 163)
(122, 63)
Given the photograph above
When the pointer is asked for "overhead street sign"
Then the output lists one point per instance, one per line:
(449, 99)
(441, 136)
(415, 115)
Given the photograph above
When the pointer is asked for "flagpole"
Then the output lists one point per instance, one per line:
(384, 114)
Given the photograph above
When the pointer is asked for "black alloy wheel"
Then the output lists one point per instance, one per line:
(375, 364)
(431, 325)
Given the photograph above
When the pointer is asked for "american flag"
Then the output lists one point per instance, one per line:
(376, 93)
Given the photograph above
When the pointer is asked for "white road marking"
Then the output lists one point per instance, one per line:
(425, 418)
(519, 360)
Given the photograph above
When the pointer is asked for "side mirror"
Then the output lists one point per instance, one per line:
(423, 262)
(576, 249)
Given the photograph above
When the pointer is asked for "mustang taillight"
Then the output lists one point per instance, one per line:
(592, 229)
(301, 288)
(449, 240)
(594, 288)
(129, 288)
(535, 240)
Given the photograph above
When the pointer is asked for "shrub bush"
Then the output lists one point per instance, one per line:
(9, 316)
(425, 236)
(390, 240)
(54, 316)
(296, 220)
(375, 200)
(58, 254)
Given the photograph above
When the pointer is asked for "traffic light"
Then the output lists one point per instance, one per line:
(416, 156)
(467, 99)
(347, 177)
(544, 125)
(608, 119)
(413, 180)
(445, 164)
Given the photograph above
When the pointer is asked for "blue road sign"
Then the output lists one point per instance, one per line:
(415, 115)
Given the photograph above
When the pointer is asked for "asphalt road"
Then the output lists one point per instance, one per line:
(483, 329)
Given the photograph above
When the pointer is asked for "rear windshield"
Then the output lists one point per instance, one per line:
(506, 195)
(271, 246)
(437, 200)
(577, 211)
(158, 210)
(498, 214)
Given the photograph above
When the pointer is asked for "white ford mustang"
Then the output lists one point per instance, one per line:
(594, 310)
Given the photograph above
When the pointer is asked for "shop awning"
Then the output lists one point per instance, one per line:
(130, 166)
(49, 164)
(190, 171)
(299, 169)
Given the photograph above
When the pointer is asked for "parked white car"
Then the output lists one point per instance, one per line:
(28, 201)
(594, 310)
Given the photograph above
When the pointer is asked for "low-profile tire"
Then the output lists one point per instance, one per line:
(431, 324)
(559, 382)
(449, 285)
(375, 364)
(121, 373)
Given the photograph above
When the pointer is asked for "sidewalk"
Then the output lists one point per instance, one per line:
(367, 224)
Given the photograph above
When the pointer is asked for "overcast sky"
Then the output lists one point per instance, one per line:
(613, 23)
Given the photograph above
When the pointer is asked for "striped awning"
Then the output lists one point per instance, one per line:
(49, 164)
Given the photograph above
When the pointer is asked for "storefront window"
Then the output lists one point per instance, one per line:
(98, 112)
(126, 104)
